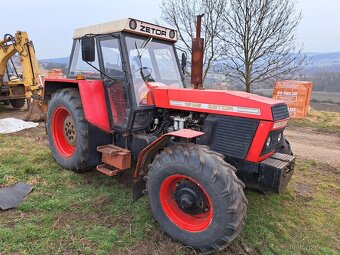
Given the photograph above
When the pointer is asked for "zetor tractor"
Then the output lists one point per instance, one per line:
(125, 105)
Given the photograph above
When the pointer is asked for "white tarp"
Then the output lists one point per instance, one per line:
(11, 125)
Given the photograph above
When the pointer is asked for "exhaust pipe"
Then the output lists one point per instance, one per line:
(197, 56)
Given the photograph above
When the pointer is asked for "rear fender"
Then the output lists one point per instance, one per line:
(92, 97)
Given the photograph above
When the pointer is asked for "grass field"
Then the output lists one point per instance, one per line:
(70, 213)
(322, 121)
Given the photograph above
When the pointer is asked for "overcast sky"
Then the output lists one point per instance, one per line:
(50, 23)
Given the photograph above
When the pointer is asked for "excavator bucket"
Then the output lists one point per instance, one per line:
(36, 111)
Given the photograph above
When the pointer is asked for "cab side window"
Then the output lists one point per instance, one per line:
(78, 66)
(111, 57)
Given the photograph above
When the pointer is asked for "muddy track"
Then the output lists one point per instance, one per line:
(309, 144)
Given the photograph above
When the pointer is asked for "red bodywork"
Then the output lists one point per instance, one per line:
(232, 103)
(93, 100)
(214, 101)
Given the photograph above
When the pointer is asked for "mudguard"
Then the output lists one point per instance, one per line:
(92, 98)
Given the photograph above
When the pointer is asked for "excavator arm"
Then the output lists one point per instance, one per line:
(31, 79)
(29, 85)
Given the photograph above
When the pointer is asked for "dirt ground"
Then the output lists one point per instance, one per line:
(309, 144)
(7, 111)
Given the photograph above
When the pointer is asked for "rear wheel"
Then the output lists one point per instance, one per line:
(18, 103)
(196, 197)
(68, 130)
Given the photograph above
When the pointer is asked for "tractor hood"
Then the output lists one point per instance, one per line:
(232, 103)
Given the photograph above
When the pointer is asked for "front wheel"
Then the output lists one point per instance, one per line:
(18, 103)
(196, 197)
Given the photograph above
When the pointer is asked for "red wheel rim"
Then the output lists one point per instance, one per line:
(185, 221)
(61, 141)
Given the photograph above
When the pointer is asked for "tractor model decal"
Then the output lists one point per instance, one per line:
(217, 107)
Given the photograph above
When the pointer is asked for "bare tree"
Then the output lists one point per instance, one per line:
(181, 14)
(260, 41)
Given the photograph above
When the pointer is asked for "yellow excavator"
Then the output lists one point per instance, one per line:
(17, 87)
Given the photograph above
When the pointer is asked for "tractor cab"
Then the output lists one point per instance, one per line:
(130, 56)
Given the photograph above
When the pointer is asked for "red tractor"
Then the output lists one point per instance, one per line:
(125, 105)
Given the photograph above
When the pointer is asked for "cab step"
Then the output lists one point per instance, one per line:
(115, 159)
(108, 170)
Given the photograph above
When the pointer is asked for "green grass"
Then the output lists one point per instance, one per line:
(328, 122)
(66, 212)
(303, 221)
(70, 213)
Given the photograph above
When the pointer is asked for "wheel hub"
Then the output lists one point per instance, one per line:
(70, 131)
(189, 198)
(186, 203)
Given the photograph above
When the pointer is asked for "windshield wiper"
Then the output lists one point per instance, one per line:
(143, 47)
(146, 78)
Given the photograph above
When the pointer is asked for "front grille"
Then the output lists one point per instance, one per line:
(280, 112)
(230, 136)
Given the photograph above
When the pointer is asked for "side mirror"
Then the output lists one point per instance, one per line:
(184, 61)
(88, 48)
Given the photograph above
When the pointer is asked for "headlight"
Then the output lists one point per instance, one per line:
(133, 24)
(279, 137)
(269, 139)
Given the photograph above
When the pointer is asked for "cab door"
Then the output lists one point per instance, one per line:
(115, 82)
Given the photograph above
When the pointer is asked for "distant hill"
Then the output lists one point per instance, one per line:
(61, 61)
(324, 61)
(55, 63)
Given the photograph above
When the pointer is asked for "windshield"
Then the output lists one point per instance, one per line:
(154, 62)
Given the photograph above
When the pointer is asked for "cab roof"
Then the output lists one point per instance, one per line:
(128, 25)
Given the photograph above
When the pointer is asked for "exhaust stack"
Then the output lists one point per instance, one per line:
(197, 56)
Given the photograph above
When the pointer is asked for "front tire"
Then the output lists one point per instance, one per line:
(68, 130)
(18, 103)
(196, 197)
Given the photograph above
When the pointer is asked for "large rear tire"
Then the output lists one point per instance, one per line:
(18, 103)
(68, 130)
(196, 197)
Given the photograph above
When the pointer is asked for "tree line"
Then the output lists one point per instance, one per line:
(254, 39)
(326, 81)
